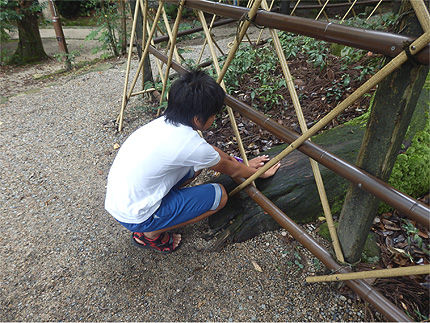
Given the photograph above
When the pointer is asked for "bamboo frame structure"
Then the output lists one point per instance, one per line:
(416, 46)
(304, 128)
(381, 273)
(350, 8)
(360, 287)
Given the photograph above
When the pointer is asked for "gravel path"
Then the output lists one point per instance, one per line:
(63, 258)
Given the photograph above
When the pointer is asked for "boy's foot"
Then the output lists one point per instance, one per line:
(164, 242)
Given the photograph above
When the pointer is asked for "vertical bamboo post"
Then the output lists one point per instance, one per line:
(127, 72)
(144, 7)
(304, 128)
(221, 82)
(172, 46)
(416, 46)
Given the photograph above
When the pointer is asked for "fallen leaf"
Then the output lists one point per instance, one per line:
(321, 218)
(116, 146)
(257, 266)
(423, 235)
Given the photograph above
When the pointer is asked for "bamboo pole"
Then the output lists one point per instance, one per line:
(294, 9)
(157, 62)
(374, 9)
(381, 273)
(127, 72)
(221, 82)
(143, 91)
(145, 51)
(205, 41)
(350, 8)
(172, 46)
(143, 4)
(169, 32)
(322, 9)
(415, 47)
(422, 14)
(304, 128)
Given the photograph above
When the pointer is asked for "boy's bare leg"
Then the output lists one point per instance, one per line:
(176, 236)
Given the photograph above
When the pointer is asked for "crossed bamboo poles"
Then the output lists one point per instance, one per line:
(416, 46)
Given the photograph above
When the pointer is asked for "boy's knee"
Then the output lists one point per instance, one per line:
(224, 197)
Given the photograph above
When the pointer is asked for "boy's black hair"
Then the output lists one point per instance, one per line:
(194, 94)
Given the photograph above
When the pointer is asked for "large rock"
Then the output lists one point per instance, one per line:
(292, 189)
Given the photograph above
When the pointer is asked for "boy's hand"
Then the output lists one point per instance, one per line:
(271, 171)
(259, 161)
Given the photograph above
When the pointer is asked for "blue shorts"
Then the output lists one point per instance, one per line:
(180, 205)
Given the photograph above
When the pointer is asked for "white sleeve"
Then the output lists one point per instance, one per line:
(202, 156)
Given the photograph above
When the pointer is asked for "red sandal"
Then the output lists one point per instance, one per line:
(155, 244)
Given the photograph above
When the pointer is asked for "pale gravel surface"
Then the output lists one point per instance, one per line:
(63, 258)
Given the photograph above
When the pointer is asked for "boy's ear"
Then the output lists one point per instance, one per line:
(197, 123)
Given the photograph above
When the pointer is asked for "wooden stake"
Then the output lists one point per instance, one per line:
(391, 272)
(304, 128)
(415, 47)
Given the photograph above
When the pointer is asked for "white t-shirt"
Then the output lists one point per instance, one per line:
(149, 163)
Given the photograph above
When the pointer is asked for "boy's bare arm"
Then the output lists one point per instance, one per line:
(230, 166)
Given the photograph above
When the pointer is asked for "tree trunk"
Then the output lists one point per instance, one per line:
(30, 47)
(123, 27)
(394, 104)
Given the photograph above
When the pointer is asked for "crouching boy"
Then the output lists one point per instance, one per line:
(145, 190)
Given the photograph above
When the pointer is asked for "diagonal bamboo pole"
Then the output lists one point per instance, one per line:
(422, 14)
(374, 9)
(381, 273)
(157, 62)
(169, 32)
(172, 46)
(221, 82)
(250, 16)
(350, 8)
(415, 47)
(322, 10)
(127, 72)
(295, 7)
(304, 128)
